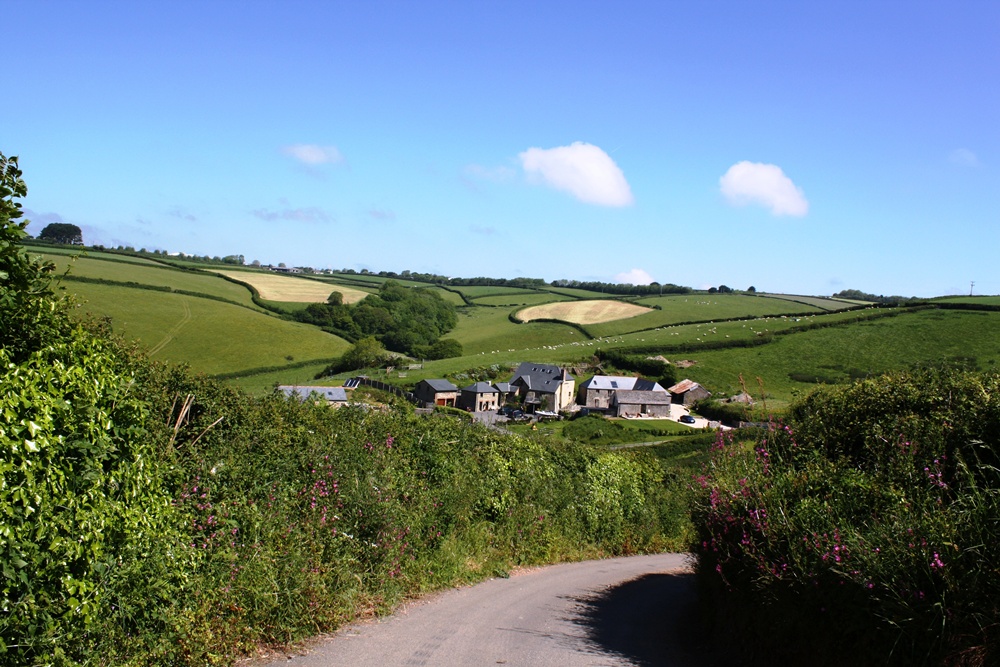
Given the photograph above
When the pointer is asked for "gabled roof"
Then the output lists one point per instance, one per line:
(636, 397)
(333, 394)
(503, 387)
(481, 388)
(619, 382)
(683, 386)
(440, 385)
(545, 378)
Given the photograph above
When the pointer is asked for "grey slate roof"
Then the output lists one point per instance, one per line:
(481, 388)
(618, 382)
(545, 378)
(441, 385)
(636, 397)
(333, 394)
(503, 387)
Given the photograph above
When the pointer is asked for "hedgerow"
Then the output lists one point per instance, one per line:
(863, 531)
(152, 517)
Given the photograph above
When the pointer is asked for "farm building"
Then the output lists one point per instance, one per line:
(687, 392)
(543, 387)
(639, 403)
(597, 392)
(436, 392)
(479, 397)
(506, 391)
(335, 396)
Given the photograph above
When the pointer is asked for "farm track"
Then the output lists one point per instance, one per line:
(174, 330)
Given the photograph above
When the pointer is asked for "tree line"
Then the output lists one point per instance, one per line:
(407, 320)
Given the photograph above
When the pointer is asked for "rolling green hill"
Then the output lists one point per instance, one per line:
(792, 343)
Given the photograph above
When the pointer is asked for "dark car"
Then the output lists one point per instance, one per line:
(686, 419)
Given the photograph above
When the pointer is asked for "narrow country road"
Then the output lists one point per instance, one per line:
(622, 611)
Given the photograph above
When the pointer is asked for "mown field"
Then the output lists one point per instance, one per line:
(285, 288)
(596, 311)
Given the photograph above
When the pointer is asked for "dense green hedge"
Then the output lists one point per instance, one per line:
(865, 531)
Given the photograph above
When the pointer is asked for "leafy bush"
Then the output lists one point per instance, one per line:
(865, 530)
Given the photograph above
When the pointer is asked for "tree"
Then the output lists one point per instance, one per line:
(61, 232)
(752, 289)
(366, 353)
(26, 315)
(335, 299)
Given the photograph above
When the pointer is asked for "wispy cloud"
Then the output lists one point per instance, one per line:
(178, 212)
(41, 218)
(583, 170)
(482, 231)
(763, 184)
(634, 277)
(310, 214)
(313, 154)
(964, 157)
(381, 214)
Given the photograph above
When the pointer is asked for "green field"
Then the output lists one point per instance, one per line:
(821, 302)
(528, 298)
(979, 300)
(150, 274)
(675, 309)
(213, 337)
(838, 354)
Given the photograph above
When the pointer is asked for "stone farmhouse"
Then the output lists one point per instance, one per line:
(620, 396)
(436, 392)
(480, 397)
(543, 387)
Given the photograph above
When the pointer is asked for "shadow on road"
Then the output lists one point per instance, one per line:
(652, 621)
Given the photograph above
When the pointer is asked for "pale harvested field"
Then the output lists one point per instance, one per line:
(278, 287)
(582, 312)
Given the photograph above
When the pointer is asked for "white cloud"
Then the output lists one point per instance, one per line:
(583, 170)
(765, 184)
(964, 157)
(634, 277)
(312, 154)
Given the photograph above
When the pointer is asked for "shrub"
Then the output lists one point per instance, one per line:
(864, 530)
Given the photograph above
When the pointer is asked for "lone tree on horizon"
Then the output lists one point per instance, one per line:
(61, 232)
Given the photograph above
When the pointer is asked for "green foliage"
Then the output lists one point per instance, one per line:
(366, 353)
(61, 232)
(402, 319)
(865, 530)
(446, 348)
(25, 297)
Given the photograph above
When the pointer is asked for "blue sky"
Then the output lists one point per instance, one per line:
(797, 147)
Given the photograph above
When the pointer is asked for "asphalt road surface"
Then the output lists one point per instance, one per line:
(622, 611)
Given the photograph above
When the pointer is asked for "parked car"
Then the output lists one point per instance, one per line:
(686, 419)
